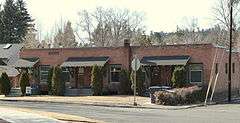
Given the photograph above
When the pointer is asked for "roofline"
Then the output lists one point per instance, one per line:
(153, 46)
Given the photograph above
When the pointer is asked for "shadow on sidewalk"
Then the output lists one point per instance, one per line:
(3, 121)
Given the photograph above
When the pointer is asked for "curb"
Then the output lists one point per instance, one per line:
(111, 105)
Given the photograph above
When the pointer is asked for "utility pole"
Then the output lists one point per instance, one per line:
(230, 53)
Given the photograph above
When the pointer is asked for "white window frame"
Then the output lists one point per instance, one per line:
(41, 73)
(66, 70)
(190, 76)
(116, 66)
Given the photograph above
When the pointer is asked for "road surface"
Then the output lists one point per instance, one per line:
(228, 113)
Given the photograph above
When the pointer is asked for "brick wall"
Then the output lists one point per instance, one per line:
(199, 53)
(222, 79)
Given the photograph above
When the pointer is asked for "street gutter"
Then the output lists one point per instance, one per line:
(148, 106)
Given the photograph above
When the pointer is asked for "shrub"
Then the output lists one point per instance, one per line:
(125, 83)
(168, 98)
(140, 82)
(179, 76)
(58, 85)
(49, 81)
(5, 84)
(24, 81)
(180, 96)
(97, 80)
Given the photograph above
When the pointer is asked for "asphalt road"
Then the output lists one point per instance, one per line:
(228, 113)
(3, 121)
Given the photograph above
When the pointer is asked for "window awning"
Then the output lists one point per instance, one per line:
(26, 62)
(85, 61)
(165, 60)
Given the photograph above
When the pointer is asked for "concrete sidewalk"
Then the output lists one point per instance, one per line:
(108, 101)
(15, 116)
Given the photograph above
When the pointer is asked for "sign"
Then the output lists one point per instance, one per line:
(135, 64)
(28, 90)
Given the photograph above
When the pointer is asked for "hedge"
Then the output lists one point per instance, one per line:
(179, 77)
(181, 96)
(49, 81)
(140, 78)
(58, 85)
(5, 84)
(24, 81)
(97, 80)
(125, 83)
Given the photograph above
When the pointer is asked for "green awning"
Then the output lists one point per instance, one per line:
(165, 60)
(26, 62)
(85, 61)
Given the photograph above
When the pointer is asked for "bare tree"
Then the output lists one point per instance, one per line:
(222, 13)
(65, 37)
(30, 40)
(108, 27)
(222, 16)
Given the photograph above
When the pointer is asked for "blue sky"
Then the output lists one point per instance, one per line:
(160, 15)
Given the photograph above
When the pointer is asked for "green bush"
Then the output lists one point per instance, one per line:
(58, 85)
(5, 84)
(49, 81)
(140, 82)
(97, 80)
(125, 83)
(24, 81)
(179, 77)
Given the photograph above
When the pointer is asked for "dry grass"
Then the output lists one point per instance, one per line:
(114, 100)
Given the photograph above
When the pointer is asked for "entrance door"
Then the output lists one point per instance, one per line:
(156, 76)
(161, 76)
(80, 77)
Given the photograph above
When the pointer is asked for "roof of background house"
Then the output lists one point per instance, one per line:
(11, 72)
(26, 62)
(11, 49)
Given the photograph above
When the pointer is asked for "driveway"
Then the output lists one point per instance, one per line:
(228, 113)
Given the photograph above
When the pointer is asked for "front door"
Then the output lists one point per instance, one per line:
(156, 76)
(80, 77)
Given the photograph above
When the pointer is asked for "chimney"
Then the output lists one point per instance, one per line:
(126, 42)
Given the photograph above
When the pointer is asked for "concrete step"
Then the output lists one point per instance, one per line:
(78, 92)
(15, 92)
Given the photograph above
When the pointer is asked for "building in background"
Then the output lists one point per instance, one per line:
(201, 60)
(9, 54)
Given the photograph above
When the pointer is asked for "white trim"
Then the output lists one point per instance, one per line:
(116, 71)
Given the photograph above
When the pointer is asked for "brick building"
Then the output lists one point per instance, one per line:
(202, 61)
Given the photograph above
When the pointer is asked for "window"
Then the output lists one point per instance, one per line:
(216, 68)
(65, 75)
(115, 73)
(233, 67)
(226, 68)
(44, 69)
(196, 74)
